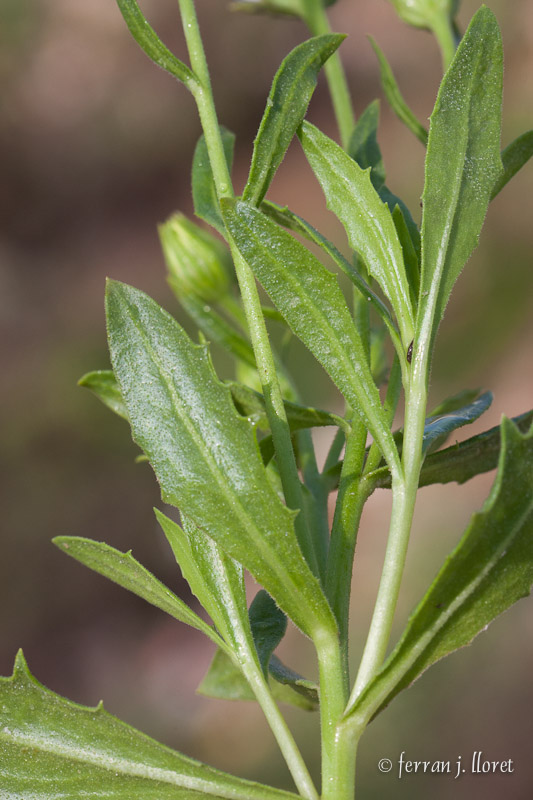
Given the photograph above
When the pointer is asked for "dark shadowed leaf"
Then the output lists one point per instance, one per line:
(364, 147)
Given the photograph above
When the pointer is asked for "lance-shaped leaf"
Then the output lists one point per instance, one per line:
(125, 570)
(149, 41)
(394, 96)
(462, 165)
(514, 157)
(103, 384)
(205, 456)
(490, 569)
(364, 147)
(366, 219)
(311, 301)
(204, 193)
(51, 747)
(287, 103)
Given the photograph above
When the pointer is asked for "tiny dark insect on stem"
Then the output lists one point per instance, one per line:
(410, 352)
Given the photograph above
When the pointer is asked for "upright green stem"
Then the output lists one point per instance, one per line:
(263, 353)
(316, 20)
(404, 491)
(338, 757)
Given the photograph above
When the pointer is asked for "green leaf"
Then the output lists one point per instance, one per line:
(366, 219)
(204, 454)
(268, 625)
(411, 257)
(363, 146)
(225, 681)
(457, 463)
(251, 404)
(51, 748)
(455, 402)
(287, 103)
(149, 41)
(514, 157)
(394, 96)
(438, 428)
(125, 570)
(311, 301)
(288, 219)
(215, 328)
(490, 569)
(103, 384)
(462, 165)
(215, 579)
(204, 193)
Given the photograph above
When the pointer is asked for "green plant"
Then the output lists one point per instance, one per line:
(224, 454)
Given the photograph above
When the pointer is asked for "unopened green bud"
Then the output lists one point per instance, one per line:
(422, 13)
(197, 262)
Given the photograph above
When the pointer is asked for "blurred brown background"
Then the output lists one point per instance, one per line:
(95, 149)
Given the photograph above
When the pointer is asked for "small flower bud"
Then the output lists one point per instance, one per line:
(197, 262)
(422, 13)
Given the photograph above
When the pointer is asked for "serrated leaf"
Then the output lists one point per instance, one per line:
(103, 384)
(462, 165)
(51, 748)
(366, 219)
(291, 91)
(363, 146)
(311, 301)
(490, 569)
(204, 193)
(394, 96)
(438, 428)
(514, 157)
(151, 44)
(125, 570)
(204, 454)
